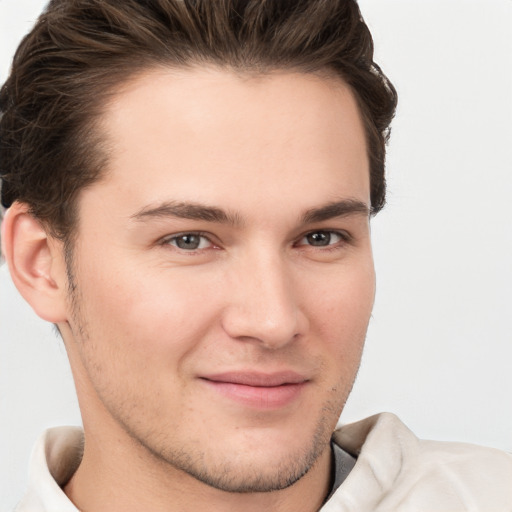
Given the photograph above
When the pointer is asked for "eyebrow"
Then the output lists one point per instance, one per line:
(188, 210)
(198, 211)
(342, 208)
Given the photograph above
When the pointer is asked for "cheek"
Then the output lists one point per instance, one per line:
(344, 304)
(342, 312)
(139, 335)
(142, 313)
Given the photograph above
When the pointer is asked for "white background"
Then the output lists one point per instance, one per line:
(439, 348)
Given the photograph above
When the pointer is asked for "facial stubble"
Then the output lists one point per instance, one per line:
(222, 475)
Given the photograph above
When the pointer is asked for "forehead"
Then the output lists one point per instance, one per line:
(233, 137)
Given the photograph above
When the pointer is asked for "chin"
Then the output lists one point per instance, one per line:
(252, 460)
(261, 473)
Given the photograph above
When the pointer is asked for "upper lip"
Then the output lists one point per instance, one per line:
(257, 379)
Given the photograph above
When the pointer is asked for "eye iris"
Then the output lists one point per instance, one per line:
(189, 242)
(319, 239)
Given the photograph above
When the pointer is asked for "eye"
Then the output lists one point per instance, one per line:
(322, 238)
(189, 241)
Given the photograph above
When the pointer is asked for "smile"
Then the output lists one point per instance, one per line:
(258, 390)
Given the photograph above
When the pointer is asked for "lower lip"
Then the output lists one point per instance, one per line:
(260, 397)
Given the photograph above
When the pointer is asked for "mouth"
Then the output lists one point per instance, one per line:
(258, 390)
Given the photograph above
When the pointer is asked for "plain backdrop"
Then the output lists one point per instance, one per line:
(439, 348)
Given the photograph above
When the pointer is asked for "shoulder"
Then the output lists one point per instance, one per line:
(397, 471)
(55, 458)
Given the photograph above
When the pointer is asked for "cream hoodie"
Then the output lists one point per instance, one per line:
(395, 472)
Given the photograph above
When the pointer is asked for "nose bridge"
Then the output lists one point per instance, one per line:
(264, 305)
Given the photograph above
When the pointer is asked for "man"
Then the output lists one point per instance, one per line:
(189, 187)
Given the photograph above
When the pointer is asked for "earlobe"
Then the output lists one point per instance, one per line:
(35, 262)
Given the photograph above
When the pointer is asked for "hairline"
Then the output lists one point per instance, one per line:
(98, 140)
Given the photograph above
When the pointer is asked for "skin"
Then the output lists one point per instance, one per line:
(267, 177)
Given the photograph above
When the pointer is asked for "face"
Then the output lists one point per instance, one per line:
(223, 273)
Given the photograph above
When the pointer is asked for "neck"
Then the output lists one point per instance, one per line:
(114, 478)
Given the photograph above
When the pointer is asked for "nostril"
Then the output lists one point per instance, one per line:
(272, 332)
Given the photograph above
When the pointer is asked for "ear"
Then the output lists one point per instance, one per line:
(36, 263)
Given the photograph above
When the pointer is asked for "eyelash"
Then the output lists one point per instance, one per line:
(343, 236)
(168, 241)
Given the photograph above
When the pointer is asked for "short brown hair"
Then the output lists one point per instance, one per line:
(80, 50)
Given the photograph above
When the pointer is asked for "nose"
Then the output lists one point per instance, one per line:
(264, 304)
